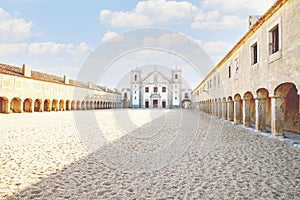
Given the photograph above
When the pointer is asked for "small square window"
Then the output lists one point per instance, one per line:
(155, 89)
(146, 89)
(164, 89)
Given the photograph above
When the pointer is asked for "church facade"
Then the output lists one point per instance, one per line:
(156, 90)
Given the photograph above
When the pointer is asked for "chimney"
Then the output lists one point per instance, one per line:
(252, 20)
(26, 70)
(66, 79)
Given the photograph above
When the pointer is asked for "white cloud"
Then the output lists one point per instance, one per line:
(110, 36)
(13, 28)
(211, 14)
(43, 48)
(148, 13)
(216, 49)
(239, 6)
(215, 21)
(12, 49)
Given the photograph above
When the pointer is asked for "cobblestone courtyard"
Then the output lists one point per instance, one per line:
(141, 154)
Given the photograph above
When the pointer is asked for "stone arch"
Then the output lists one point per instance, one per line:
(285, 109)
(219, 104)
(68, 104)
(262, 109)
(238, 109)
(61, 105)
(98, 104)
(78, 106)
(95, 104)
(248, 109)
(47, 105)
(54, 105)
(73, 105)
(224, 108)
(38, 105)
(87, 105)
(230, 109)
(3, 105)
(15, 105)
(27, 105)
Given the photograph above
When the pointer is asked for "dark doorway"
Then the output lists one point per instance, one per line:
(155, 103)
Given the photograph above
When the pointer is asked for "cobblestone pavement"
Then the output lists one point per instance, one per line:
(158, 154)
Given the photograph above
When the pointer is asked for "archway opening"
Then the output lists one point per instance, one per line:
(15, 105)
(286, 109)
(61, 105)
(27, 105)
(55, 105)
(3, 105)
(47, 105)
(37, 105)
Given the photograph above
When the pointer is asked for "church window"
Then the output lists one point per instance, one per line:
(125, 95)
(146, 89)
(176, 76)
(164, 89)
(135, 77)
(155, 89)
(186, 95)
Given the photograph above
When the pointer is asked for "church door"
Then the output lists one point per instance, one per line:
(155, 103)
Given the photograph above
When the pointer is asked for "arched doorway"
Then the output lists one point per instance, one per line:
(248, 109)
(73, 105)
(55, 105)
(3, 105)
(27, 105)
(78, 106)
(262, 109)
(82, 105)
(61, 105)
(238, 109)
(68, 105)
(37, 105)
(47, 105)
(230, 104)
(15, 105)
(285, 109)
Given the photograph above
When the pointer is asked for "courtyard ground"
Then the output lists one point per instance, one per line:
(142, 154)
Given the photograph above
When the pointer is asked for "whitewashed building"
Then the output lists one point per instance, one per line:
(156, 90)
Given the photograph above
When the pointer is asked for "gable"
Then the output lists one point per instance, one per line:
(155, 76)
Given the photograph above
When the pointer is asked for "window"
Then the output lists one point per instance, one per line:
(146, 89)
(176, 76)
(164, 89)
(254, 54)
(125, 95)
(186, 95)
(135, 77)
(134, 97)
(229, 72)
(274, 39)
(155, 89)
(175, 98)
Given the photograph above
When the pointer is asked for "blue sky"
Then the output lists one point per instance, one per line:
(57, 36)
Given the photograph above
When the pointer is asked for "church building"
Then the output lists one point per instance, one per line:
(156, 90)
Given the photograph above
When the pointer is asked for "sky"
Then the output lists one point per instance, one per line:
(58, 36)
